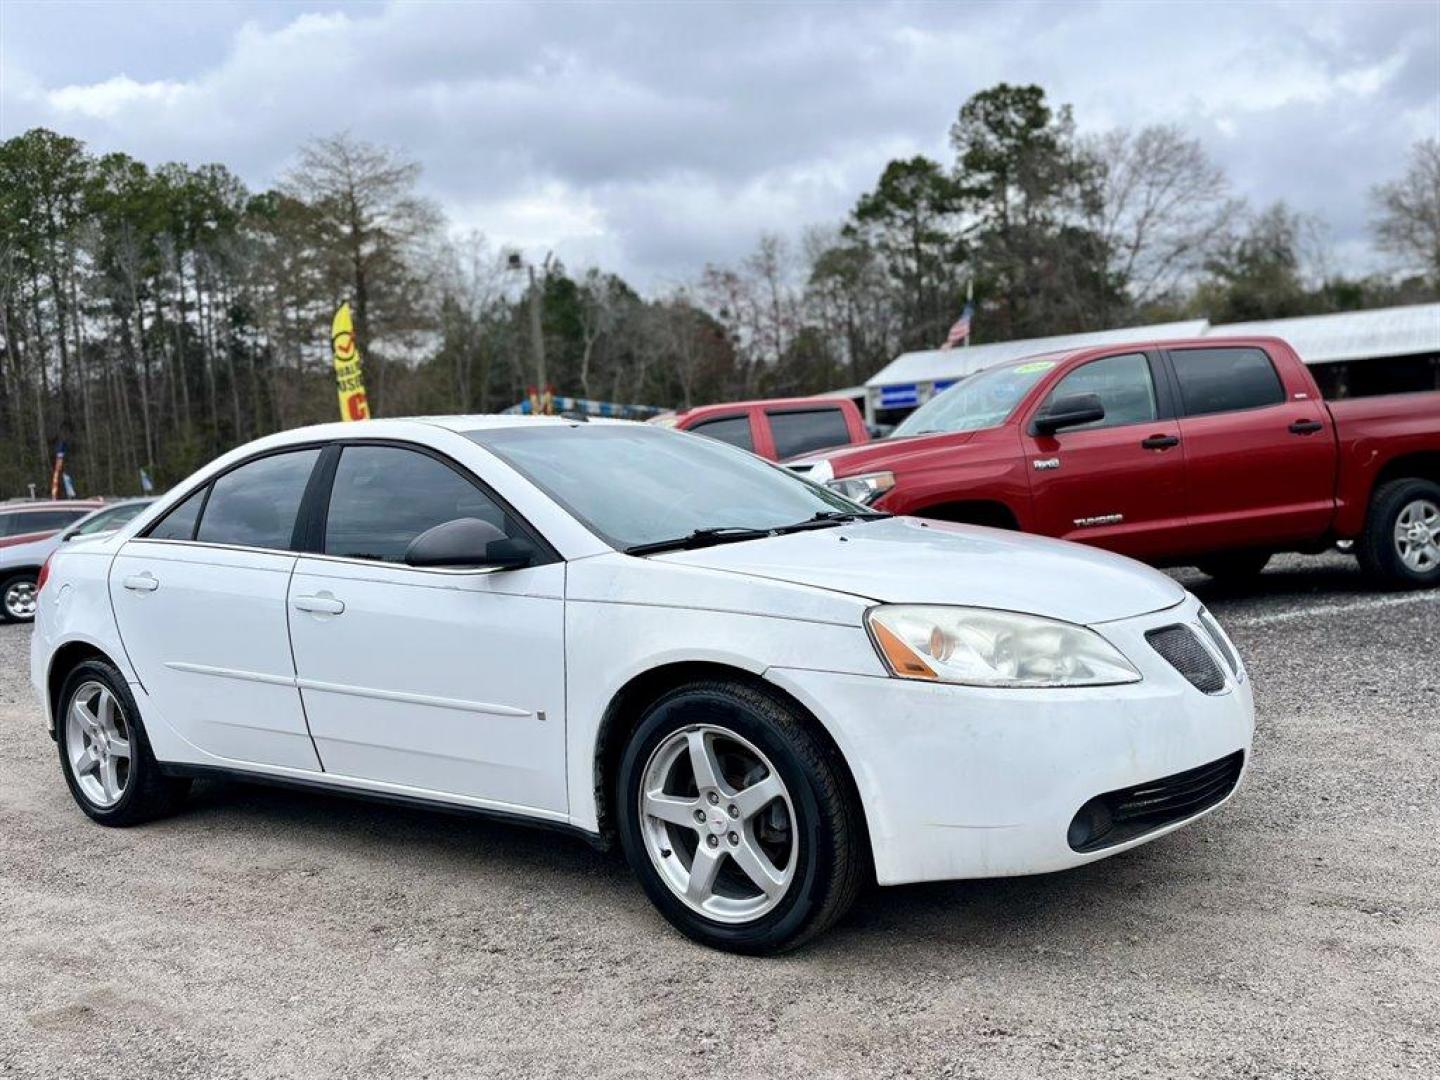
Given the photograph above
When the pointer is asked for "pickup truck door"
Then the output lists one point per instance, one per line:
(1259, 449)
(1118, 483)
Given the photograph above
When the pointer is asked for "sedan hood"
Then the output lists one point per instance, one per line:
(908, 561)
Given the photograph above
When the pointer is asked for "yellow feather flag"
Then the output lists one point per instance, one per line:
(353, 405)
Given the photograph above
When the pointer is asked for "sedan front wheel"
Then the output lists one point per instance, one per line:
(738, 820)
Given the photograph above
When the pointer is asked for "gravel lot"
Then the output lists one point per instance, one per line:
(265, 933)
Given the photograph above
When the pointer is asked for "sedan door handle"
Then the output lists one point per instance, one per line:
(1160, 442)
(319, 605)
(145, 582)
(1305, 427)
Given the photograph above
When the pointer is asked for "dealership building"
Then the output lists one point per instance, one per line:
(1350, 353)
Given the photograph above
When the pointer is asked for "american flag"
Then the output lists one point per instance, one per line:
(961, 330)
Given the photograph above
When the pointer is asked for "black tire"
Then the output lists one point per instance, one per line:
(148, 793)
(833, 858)
(12, 607)
(1234, 566)
(1376, 547)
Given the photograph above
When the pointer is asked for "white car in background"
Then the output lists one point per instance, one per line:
(20, 560)
(765, 692)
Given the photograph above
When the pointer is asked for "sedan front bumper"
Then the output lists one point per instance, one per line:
(967, 782)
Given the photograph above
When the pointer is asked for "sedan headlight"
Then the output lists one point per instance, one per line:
(864, 489)
(982, 647)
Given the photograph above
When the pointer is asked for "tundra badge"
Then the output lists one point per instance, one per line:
(1047, 463)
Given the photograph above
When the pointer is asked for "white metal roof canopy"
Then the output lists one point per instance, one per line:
(1319, 339)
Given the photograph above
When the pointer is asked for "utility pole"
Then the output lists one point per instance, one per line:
(537, 339)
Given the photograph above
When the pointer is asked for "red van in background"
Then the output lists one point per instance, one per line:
(778, 428)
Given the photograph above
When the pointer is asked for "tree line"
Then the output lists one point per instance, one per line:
(152, 317)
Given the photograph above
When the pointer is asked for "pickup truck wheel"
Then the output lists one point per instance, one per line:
(1236, 566)
(1400, 547)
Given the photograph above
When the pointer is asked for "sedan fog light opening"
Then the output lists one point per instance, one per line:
(983, 647)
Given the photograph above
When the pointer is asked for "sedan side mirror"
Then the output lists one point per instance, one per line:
(1068, 412)
(468, 542)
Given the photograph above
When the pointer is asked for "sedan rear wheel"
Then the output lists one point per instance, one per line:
(18, 599)
(739, 818)
(104, 752)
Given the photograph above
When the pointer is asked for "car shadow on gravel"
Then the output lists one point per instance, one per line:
(1060, 914)
(1289, 577)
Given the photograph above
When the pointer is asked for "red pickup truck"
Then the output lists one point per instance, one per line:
(1196, 452)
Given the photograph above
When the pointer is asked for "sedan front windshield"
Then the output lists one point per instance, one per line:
(637, 485)
(983, 400)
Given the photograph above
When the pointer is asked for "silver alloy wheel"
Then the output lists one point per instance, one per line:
(97, 741)
(1417, 535)
(718, 823)
(20, 599)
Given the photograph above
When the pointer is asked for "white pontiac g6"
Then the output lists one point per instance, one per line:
(766, 693)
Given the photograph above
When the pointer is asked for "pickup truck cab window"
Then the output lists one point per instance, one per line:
(798, 431)
(256, 505)
(1225, 380)
(383, 497)
(1123, 384)
(734, 430)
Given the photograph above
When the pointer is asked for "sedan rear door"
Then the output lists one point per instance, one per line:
(200, 603)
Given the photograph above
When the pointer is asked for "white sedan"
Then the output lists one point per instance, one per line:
(766, 693)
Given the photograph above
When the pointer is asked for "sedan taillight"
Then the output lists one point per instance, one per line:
(44, 574)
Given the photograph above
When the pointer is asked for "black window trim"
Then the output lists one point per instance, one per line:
(1182, 413)
(307, 539)
(1166, 396)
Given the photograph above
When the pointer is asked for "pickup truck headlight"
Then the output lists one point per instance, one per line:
(982, 647)
(864, 489)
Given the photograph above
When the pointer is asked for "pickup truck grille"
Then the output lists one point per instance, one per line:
(1118, 816)
(1184, 652)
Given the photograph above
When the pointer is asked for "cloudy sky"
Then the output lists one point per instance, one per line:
(653, 138)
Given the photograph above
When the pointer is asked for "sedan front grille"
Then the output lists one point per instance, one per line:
(1118, 816)
(1179, 645)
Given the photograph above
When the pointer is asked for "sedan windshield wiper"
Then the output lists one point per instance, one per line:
(722, 534)
(828, 518)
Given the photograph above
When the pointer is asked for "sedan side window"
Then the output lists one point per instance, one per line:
(256, 505)
(179, 523)
(1122, 383)
(385, 496)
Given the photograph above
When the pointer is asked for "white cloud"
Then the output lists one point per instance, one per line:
(106, 100)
